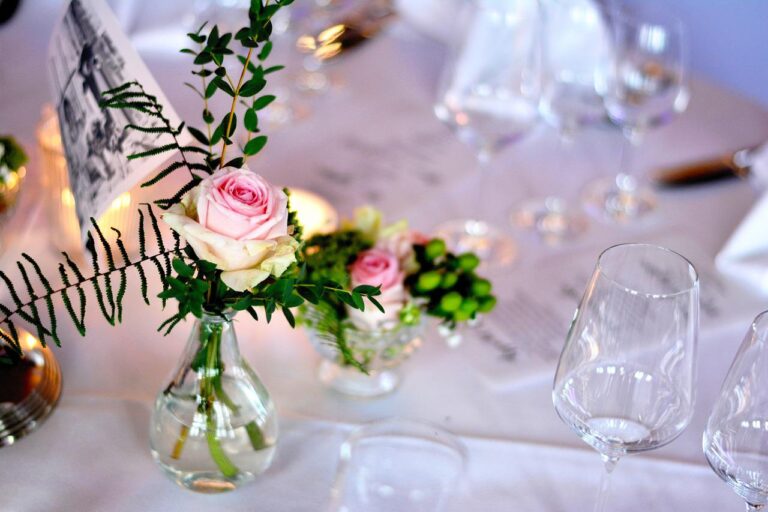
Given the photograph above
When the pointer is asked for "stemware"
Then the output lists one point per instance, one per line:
(488, 96)
(576, 51)
(736, 439)
(398, 464)
(624, 382)
(646, 86)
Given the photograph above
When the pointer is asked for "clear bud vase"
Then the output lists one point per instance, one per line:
(214, 427)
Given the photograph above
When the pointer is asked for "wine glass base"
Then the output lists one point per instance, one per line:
(621, 199)
(490, 244)
(551, 219)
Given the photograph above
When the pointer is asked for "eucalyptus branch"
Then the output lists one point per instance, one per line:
(228, 131)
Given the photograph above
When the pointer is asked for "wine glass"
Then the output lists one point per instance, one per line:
(576, 50)
(488, 96)
(645, 87)
(736, 439)
(625, 378)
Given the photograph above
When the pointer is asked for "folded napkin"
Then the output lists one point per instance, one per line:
(745, 255)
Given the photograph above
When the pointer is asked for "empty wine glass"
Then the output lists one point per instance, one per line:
(645, 87)
(625, 378)
(398, 464)
(488, 96)
(576, 50)
(736, 439)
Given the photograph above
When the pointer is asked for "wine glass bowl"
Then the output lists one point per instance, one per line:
(735, 441)
(625, 378)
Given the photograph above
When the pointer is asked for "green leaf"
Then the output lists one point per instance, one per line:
(207, 116)
(273, 69)
(235, 162)
(224, 86)
(210, 89)
(263, 101)
(203, 57)
(182, 268)
(198, 135)
(225, 122)
(289, 316)
(255, 145)
(251, 66)
(265, 50)
(252, 87)
(251, 120)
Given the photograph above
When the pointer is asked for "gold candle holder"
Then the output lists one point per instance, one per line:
(29, 390)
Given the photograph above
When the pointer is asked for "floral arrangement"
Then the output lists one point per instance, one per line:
(412, 274)
(236, 242)
(242, 239)
(12, 158)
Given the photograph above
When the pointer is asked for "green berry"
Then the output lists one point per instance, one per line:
(435, 248)
(481, 287)
(486, 304)
(469, 305)
(468, 262)
(461, 316)
(428, 281)
(451, 301)
(449, 280)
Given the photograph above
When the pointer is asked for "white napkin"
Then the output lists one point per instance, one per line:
(745, 256)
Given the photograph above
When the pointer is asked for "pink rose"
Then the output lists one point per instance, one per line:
(240, 204)
(378, 267)
(238, 221)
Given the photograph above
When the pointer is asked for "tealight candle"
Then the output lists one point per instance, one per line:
(61, 201)
(315, 213)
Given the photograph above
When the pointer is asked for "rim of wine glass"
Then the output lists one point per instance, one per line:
(754, 327)
(691, 269)
(397, 426)
(650, 15)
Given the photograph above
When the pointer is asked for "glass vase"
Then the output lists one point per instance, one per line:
(214, 427)
(382, 351)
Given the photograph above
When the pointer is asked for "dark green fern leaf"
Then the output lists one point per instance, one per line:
(37, 322)
(48, 300)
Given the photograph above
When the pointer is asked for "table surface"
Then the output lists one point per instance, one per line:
(92, 454)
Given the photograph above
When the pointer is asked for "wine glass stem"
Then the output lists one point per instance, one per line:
(625, 158)
(483, 169)
(609, 463)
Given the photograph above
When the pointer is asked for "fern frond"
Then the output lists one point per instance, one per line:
(71, 276)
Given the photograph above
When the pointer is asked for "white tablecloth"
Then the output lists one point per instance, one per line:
(93, 452)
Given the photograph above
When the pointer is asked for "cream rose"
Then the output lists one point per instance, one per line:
(378, 267)
(238, 221)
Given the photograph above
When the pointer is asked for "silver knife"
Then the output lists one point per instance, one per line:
(737, 164)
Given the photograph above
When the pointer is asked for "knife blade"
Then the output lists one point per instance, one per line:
(731, 165)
